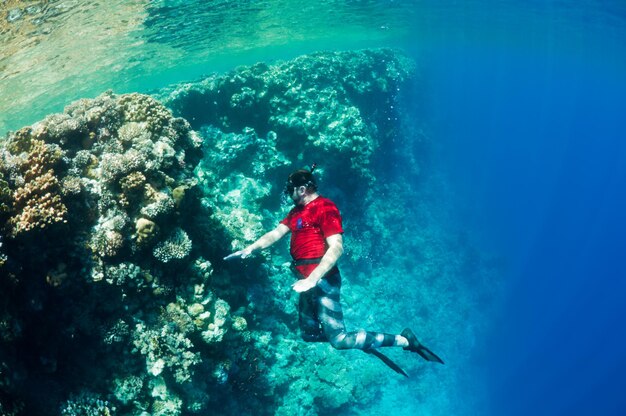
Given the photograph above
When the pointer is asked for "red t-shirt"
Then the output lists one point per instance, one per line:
(310, 225)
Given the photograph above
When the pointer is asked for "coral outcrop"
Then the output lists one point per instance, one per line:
(115, 216)
(90, 197)
(320, 105)
(258, 122)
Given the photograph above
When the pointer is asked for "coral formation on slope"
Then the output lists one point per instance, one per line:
(115, 215)
(94, 197)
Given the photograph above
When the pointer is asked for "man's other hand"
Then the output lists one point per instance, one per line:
(304, 285)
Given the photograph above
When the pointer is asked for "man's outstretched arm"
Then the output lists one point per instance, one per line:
(264, 242)
(334, 251)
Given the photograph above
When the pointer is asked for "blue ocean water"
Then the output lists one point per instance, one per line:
(529, 101)
(525, 103)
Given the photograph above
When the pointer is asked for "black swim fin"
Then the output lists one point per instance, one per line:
(395, 367)
(416, 346)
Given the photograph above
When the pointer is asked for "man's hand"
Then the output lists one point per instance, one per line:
(241, 254)
(262, 243)
(304, 284)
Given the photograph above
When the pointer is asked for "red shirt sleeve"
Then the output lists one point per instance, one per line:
(330, 221)
(287, 219)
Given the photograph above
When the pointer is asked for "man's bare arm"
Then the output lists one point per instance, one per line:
(264, 242)
(332, 255)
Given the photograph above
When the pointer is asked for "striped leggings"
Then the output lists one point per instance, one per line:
(321, 318)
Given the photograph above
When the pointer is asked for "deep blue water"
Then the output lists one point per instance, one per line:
(531, 118)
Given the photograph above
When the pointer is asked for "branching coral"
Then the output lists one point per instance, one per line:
(37, 201)
(128, 389)
(217, 328)
(88, 405)
(166, 348)
(176, 247)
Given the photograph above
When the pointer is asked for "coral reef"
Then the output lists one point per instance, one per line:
(258, 122)
(116, 214)
(86, 197)
(320, 106)
(88, 405)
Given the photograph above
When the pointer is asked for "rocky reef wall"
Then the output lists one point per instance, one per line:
(115, 215)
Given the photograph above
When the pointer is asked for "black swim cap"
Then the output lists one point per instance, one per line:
(301, 177)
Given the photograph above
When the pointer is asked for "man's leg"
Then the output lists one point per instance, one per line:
(330, 316)
(310, 328)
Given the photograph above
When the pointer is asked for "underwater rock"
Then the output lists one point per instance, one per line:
(315, 107)
(80, 196)
(260, 122)
(127, 186)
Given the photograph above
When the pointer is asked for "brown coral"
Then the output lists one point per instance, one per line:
(133, 184)
(37, 204)
(107, 243)
(146, 230)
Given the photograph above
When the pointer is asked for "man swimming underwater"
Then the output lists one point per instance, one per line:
(316, 246)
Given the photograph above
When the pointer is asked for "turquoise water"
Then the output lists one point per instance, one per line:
(65, 50)
(500, 204)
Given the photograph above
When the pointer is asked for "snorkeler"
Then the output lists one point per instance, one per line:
(316, 246)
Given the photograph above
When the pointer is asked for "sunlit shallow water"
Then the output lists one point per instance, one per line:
(57, 51)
